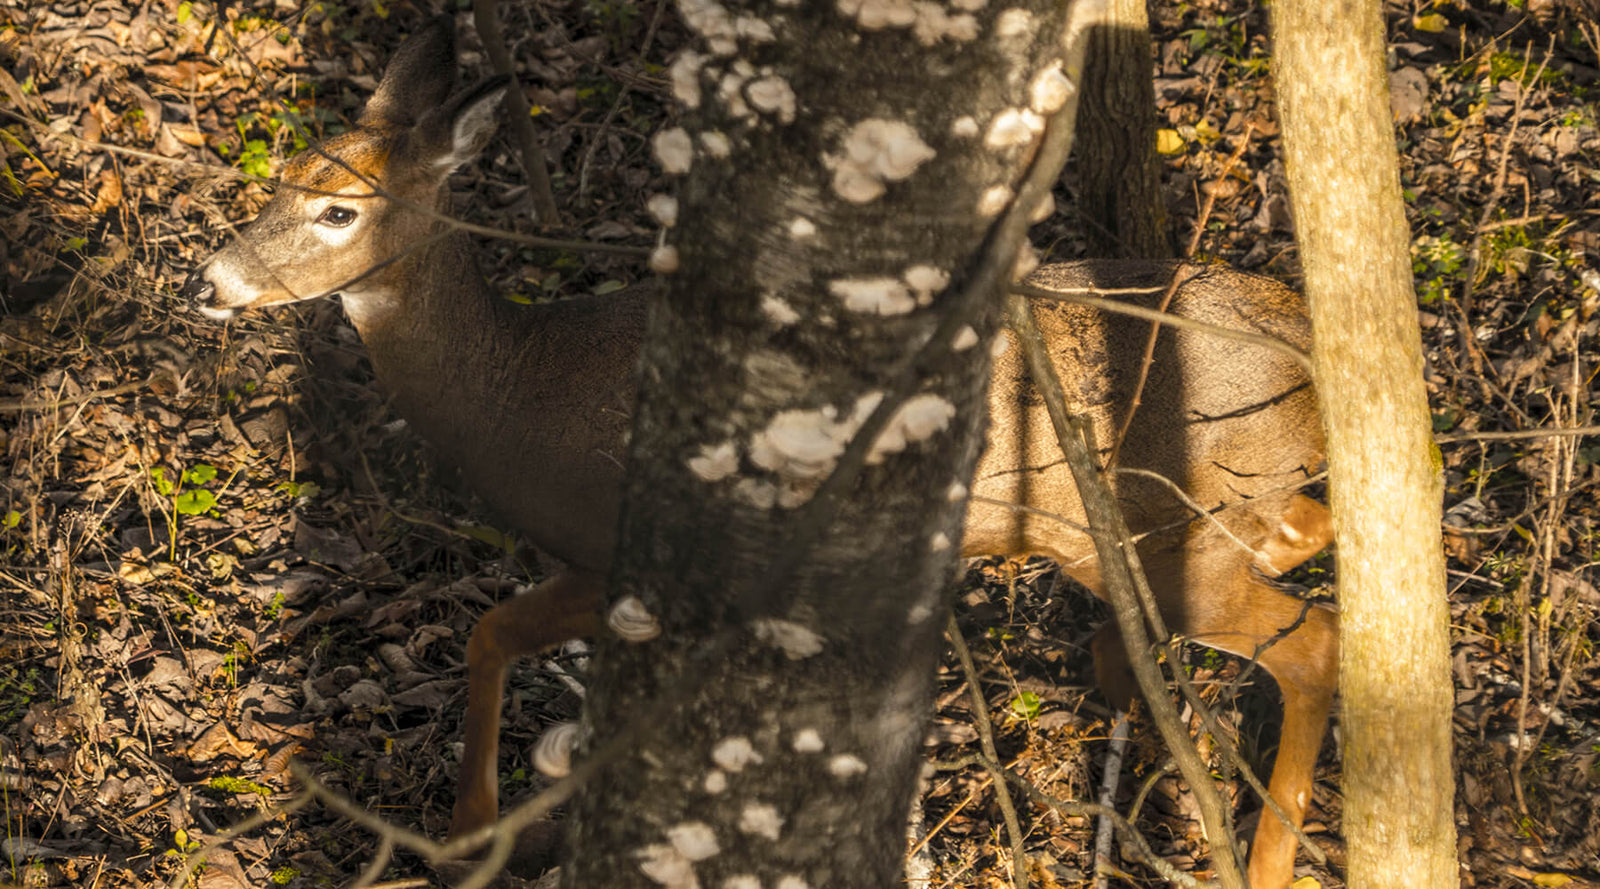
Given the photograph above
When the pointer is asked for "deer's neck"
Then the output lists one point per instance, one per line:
(531, 403)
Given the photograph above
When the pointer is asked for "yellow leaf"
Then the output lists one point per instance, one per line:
(1169, 142)
(1433, 23)
(1551, 880)
(1306, 883)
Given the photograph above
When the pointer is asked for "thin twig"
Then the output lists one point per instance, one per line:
(490, 32)
(21, 405)
(1517, 434)
(194, 860)
(1125, 584)
(1094, 296)
(1133, 842)
(624, 88)
(980, 715)
(1108, 797)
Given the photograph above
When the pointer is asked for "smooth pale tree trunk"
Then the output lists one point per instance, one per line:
(1115, 168)
(842, 169)
(1384, 480)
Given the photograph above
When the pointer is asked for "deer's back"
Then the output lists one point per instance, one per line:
(1223, 420)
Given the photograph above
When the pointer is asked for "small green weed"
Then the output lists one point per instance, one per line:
(189, 496)
(1026, 706)
(1433, 261)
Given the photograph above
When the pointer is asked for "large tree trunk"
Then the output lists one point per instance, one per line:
(1115, 168)
(843, 172)
(1384, 480)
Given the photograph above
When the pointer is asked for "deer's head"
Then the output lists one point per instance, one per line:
(349, 212)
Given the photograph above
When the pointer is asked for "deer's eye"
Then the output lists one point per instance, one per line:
(337, 216)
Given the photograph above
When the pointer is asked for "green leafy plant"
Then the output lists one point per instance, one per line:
(1026, 706)
(1433, 261)
(189, 496)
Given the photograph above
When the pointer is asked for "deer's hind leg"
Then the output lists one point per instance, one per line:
(1213, 592)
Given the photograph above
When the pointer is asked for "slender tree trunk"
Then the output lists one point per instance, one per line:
(1383, 467)
(1117, 172)
(844, 175)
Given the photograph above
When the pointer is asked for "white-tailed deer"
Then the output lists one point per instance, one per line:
(532, 403)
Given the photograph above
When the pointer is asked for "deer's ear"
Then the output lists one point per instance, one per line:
(451, 135)
(419, 77)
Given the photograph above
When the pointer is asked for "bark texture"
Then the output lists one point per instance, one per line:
(1384, 480)
(1118, 175)
(842, 174)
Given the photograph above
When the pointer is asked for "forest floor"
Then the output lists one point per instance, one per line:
(218, 551)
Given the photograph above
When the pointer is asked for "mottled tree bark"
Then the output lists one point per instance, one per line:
(1115, 168)
(1384, 483)
(843, 174)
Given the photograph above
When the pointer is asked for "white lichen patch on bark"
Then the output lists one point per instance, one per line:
(716, 144)
(673, 150)
(846, 765)
(920, 417)
(778, 311)
(965, 339)
(715, 462)
(663, 209)
(874, 152)
(925, 281)
(807, 740)
(1027, 261)
(797, 642)
(735, 752)
(956, 493)
(873, 296)
(685, 75)
(993, 200)
(1050, 90)
(664, 259)
(755, 30)
(939, 542)
(731, 91)
(712, 21)
(1000, 345)
(552, 755)
(716, 782)
(773, 96)
(792, 881)
(964, 127)
(802, 228)
(632, 621)
(667, 866)
(934, 24)
(742, 881)
(1013, 128)
(694, 840)
(802, 446)
(1013, 23)
(762, 820)
(919, 612)
(1042, 210)
(875, 15)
